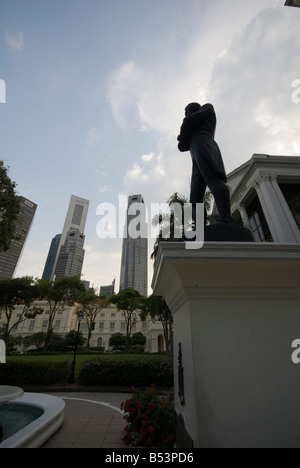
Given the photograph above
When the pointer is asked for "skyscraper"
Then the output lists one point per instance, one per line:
(69, 255)
(51, 257)
(293, 3)
(10, 258)
(134, 263)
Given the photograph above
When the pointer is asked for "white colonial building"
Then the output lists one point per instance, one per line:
(265, 191)
(108, 322)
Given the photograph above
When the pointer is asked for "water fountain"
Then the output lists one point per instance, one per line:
(28, 419)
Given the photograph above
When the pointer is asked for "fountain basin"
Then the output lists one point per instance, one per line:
(35, 434)
(9, 393)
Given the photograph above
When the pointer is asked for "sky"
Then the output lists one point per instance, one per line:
(95, 97)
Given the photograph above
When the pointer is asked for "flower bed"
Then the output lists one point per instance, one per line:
(150, 419)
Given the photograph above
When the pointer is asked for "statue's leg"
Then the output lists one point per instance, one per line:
(221, 195)
(198, 188)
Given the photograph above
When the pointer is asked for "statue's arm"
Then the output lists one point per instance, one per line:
(191, 124)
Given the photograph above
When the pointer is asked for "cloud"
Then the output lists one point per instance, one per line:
(252, 85)
(124, 84)
(15, 42)
(93, 137)
(247, 73)
(105, 189)
(148, 157)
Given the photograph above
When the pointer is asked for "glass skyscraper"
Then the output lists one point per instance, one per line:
(134, 263)
(10, 258)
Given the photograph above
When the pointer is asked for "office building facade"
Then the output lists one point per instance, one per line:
(69, 255)
(9, 259)
(51, 257)
(134, 263)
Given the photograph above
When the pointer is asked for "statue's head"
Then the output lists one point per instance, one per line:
(191, 108)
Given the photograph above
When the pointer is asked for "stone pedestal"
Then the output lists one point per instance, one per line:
(236, 313)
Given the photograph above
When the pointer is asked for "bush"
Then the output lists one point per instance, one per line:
(150, 420)
(128, 371)
(34, 373)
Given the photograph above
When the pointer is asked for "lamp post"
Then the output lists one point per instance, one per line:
(71, 378)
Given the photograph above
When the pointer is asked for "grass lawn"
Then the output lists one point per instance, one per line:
(80, 358)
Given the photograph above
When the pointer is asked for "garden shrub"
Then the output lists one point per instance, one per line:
(34, 373)
(150, 419)
(134, 371)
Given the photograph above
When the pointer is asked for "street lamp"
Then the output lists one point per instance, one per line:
(71, 378)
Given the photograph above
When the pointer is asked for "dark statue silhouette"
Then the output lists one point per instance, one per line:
(197, 135)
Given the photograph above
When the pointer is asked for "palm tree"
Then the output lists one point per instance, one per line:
(172, 222)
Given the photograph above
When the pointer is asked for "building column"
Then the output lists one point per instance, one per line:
(276, 212)
(245, 217)
(289, 215)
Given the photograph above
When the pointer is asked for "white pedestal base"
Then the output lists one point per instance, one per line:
(236, 313)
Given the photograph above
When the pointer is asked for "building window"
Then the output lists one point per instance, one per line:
(291, 193)
(112, 326)
(57, 325)
(45, 325)
(101, 326)
(99, 342)
(102, 314)
(256, 228)
(258, 222)
(31, 325)
(145, 326)
(123, 326)
(113, 314)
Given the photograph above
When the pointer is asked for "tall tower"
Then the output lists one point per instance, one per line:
(51, 257)
(71, 255)
(71, 241)
(10, 258)
(134, 264)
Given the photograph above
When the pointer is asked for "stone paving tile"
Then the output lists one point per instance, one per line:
(88, 424)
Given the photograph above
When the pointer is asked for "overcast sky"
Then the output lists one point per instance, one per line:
(95, 95)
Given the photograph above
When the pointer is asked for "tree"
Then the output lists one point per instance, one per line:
(117, 341)
(138, 339)
(9, 208)
(60, 293)
(91, 305)
(128, 301)
(158, 310)
(18, 292)
(172, 222)
(70, 340)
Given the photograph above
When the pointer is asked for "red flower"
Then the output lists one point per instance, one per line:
(127, 439)
(151, 406)
(151, 429)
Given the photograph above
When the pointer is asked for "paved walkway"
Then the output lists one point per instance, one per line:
(92, 420)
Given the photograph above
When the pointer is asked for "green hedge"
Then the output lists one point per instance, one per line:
(130, 372)
(34, 373)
